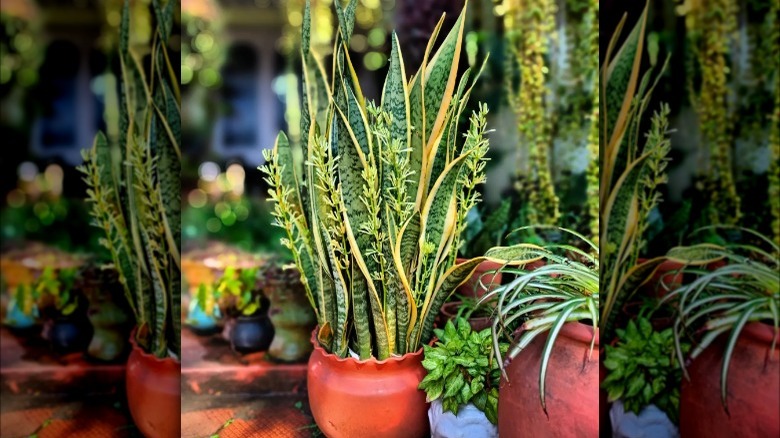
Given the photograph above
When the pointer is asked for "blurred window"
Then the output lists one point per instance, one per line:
(240, 96)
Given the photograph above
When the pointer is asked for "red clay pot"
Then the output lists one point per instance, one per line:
(472, 288)
(353, 398)
(154, 393)
(753, 389)
(571, 394)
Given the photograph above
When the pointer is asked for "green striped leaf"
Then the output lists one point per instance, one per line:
(395, 96)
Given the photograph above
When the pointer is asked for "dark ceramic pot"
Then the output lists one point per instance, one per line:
(251, 334)
(70, 334)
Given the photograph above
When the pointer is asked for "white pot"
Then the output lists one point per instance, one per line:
(469, 423)
(650, 423)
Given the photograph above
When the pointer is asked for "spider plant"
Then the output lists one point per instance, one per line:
(564, 289)
(375, 216)
(745, 289)
(136, 200)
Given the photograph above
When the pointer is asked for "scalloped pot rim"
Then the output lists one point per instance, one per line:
(370, 361)
(150, 356)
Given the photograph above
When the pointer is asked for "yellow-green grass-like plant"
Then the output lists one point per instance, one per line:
(374, 217)
(136, 200)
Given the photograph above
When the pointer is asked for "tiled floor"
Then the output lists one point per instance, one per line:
(59, 396)
(232, 396)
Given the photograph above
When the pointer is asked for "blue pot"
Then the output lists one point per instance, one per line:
(199, 321)
(70, 335)
(19, 322)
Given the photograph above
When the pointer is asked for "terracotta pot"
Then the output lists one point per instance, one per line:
(353, 398)
(292, 317)
(472, 287)
(669, 272)
(753, 389)
(450, 310)
(154, 393)
(571, 393)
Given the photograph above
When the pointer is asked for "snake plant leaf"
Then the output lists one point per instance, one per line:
(628, 283)
(449, 281)
(306, 30)
(341, 306)
(621, 79)
(360, 311)
(159, 345)
(164, 16)
(377, 313)
(289, 177)
(169, 172)
(417, 119)
(403, 253)
(395, 95)
(359, 123)
(346, 17)
(619, 220)
(439, 80)
(434, 214)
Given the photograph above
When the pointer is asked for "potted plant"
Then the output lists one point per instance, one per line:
(478, 237)
(478, 313)
(732, 374)
(290, 312)
(238, 293)
(461, 382)
(376, 231)
(108, 314)
(67, 328)
(643, 380)
(136, 202)
(559, 299)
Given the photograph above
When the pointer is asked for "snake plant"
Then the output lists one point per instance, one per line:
(724, 300)
(374, 217)
(631, 171)
(564, 289)
(136, 200)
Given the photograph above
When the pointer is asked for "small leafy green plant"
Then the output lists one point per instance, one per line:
(236, 289)
(462, 369)
(58, 284)
(239, 287)
(643, 369)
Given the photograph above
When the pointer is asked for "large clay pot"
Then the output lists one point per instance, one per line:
(667, 277)
(753, 389)
(490, 281)
(353, 398)
(154, 393)
(292, 317)
(571, 392)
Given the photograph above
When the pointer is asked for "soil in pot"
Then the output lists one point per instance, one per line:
(69, 334)
(291, 314)
(753, 389)
(251, 334)
(370, 398)
(571, 392)
(154, 393)
(489, 280)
